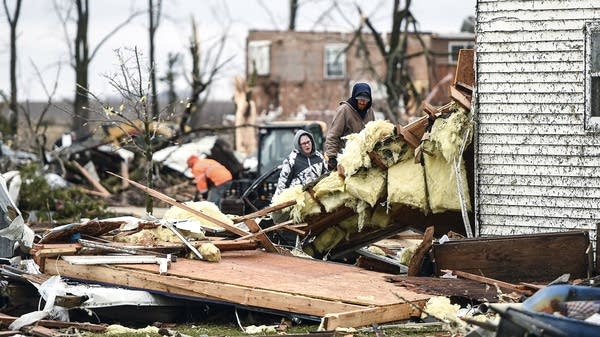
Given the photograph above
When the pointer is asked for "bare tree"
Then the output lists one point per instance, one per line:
(397, 78)
(198, 82)
(293, 14)
(170, 77)
(13, 103)
(81, 57)
(154, 14)
(134, 117)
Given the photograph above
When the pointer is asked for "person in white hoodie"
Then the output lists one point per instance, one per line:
(303, 165)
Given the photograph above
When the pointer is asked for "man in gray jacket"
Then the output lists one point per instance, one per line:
(351, 116)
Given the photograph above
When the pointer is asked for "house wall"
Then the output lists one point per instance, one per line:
(537, 168)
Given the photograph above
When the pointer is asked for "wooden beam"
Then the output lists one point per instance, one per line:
(369, 316)
(414, 265)
(6, 319)
(104, 192)
(178, 204)
(489, 281)
(265, 211)
(261, 236)
(460, 97)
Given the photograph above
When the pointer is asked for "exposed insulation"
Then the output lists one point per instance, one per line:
(210, 252)
(328, 239)
(354, 155)
(441, 184)
(447, 134)
(206, 207)
(155, 235)
(379, 218)
(406, 184)
(368, 185)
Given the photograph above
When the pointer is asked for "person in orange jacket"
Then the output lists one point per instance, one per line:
(209, 171)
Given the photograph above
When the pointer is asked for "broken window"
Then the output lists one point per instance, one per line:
(454, 47)
(335, 61)
(259, 57)
(592, 77)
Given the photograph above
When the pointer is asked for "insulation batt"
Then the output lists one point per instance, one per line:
(354, 155)
(206, 207)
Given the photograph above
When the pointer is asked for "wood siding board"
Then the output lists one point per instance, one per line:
(538, 211)
(524, 129)
(529, 46)
(530, 88)
(540, 140)
(560, 119)
(539, 200)
(530, 67)
(574, 77)
(532, 56)
(509, 108)
(514, 25)
(544, 191)
(539, 169)
(531, 225)
(587, 13)
(548, 5)
(495, 159)
(580, 182)
(539, 36)
(539, 98)
(555, 150)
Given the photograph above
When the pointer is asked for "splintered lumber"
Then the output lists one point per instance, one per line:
(465, 70)
(263, 280)
(489, 281)
(175, 203)
(414, 266)
(470, 290)
(265, 211)
(103, 191)
(517, 258)
(91, 228)
(261, 236)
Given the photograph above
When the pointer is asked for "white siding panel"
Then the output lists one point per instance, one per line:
(542, 183)
(544, 87)
(553, 5)
(533, 78)
(509, 24)
(533, 56)
(523, 118)
(536, 202)
(541, 169)
(539, 98)
(588, 13)
(551, 150)
(530, 67)
(541, 211)
(560, 35)
(533, 46)
(539, 140)
(516, 224)
(526, 108)
(545, 192)
(520, 159)
(525, 129)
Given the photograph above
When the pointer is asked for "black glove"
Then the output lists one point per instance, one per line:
(332, 164)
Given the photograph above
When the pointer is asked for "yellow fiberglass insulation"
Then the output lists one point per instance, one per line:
(206, 207)
(158, 234)
(329, 239)
(331, 192)
(406, 185)
(380, 218)
(441, 184)
(391, 150)
(209, 252)
(367, 185)
(305, 205)
(354, 155)
(441, 151)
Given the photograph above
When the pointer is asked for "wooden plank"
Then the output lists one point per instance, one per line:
(460, 97)
(261, 236)
(517, 258)
(251, 296)
(265, 211)
(101, 189)
(489, 281)
(465, 70)
(275, 274)
(369, 316)
(414, 265)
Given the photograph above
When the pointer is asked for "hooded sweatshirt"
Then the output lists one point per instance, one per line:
(298, 168)
(348, 119)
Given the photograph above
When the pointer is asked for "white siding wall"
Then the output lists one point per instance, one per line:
(537, 169)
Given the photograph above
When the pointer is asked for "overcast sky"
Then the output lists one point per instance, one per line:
(41, 39)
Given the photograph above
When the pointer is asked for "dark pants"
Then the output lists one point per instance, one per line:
(216, 192)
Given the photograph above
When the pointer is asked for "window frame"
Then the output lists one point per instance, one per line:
(461, 45)
(259, 51)
(338, 48)
(592, 122)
